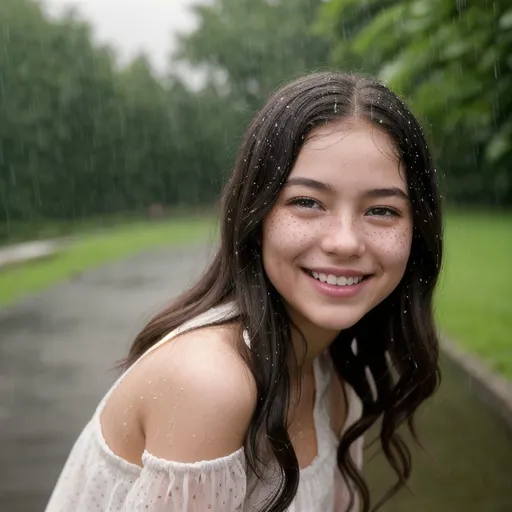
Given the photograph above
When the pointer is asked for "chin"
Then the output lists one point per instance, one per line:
(337, 324)
(334, 321)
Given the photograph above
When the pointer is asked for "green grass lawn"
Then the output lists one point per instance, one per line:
(93, 250)
(474, 301)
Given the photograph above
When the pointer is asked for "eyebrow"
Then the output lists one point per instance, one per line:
(387, 192)
(325, 187)
(309, 183)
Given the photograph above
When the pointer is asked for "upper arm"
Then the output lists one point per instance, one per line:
(198, 399)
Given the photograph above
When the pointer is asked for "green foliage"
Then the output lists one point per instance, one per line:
(252, 46)
(56, 92)
(246, 49)
(81, 136)
(452, 60)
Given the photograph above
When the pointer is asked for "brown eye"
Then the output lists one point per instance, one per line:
(382, 211)
(305, 202)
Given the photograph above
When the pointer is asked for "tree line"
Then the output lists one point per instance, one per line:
(81, 135)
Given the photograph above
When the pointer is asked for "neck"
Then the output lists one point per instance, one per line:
(317, 339)
(313, 342)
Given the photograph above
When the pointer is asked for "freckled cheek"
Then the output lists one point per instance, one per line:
(284, 234)
(392, 247)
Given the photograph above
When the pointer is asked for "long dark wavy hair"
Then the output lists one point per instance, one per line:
(396, 341)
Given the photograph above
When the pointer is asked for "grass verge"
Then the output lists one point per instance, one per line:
(474, 300)
(43, 229)
(93, 250)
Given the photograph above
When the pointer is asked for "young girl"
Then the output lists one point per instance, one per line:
(253, 391)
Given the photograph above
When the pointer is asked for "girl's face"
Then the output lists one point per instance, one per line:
(337, 241)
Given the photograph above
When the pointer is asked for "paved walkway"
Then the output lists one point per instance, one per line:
(56, 354)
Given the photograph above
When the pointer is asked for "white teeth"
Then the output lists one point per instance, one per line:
(334, 280)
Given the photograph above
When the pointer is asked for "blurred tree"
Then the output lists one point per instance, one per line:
(56, 90)
(146, 152)
(79, 135)
(252, 46)
(452, 59)
(244, 49)
(82, 136)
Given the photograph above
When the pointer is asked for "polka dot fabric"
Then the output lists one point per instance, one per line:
(96, 479)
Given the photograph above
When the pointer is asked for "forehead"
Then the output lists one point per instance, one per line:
(350, 154)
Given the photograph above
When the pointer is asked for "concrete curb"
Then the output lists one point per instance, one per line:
(493, 389)
(28, 251)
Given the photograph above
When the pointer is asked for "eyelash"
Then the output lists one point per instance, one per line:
(299, 201)
(390, 211)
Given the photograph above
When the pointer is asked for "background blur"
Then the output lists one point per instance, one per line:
(119, 122)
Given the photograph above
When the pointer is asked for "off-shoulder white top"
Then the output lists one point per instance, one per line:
(96, 479)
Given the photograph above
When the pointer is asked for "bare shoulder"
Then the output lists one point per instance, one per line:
(197, 396)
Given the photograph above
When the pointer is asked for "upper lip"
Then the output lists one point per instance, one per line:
(338, 272)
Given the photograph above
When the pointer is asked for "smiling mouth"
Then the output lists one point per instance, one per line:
(336, 280)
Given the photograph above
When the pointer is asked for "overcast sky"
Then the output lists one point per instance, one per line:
(132, 25)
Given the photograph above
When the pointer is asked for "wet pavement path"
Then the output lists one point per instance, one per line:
(57, 351)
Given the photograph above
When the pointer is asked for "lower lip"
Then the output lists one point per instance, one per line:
(333, 290)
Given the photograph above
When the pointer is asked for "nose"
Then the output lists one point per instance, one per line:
(344, 238)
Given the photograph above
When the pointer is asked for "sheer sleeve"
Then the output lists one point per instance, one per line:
(216, 485)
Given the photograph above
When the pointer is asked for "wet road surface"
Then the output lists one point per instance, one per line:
(57, 351)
